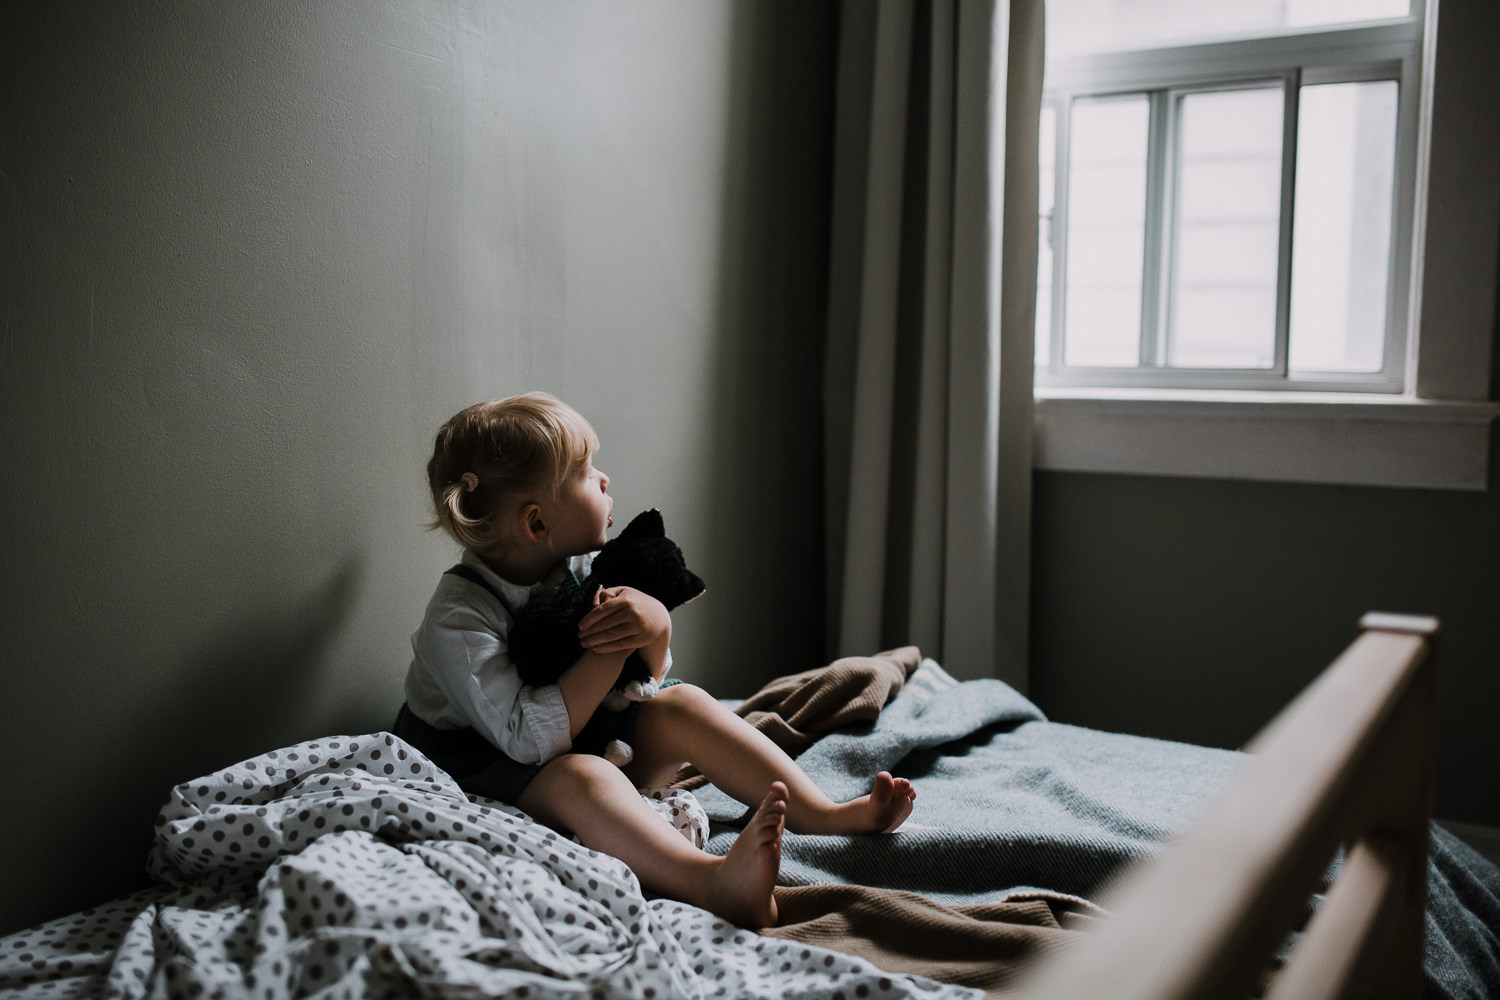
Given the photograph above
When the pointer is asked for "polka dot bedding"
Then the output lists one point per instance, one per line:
(353, 867)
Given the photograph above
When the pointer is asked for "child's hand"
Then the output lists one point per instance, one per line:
(623, 618)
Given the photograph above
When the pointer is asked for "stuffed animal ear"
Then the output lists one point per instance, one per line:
(645, 525)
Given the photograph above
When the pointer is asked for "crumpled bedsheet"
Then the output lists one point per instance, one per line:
(1011, 805)
(1007, 802)
(353, 867)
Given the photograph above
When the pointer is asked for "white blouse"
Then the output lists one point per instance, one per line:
(461, 673)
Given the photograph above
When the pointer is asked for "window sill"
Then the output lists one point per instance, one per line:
(1345, 438)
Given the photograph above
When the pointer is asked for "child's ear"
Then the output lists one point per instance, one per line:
(532, 524)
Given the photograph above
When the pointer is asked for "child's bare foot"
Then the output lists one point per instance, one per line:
(743, 882)
(890, 802)
(882, 811)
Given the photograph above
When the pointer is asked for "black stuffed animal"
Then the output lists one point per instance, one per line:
(544, 636)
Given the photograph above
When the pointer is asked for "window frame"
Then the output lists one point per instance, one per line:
(1435, 432)
(1380, 50)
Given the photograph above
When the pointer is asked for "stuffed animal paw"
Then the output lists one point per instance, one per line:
(635, 690)
(618, 752)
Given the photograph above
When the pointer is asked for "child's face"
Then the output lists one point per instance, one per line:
(580, 514)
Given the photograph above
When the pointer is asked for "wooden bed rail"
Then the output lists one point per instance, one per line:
(1348, 762)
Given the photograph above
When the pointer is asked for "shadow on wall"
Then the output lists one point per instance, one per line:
(767, 362)
(238, 696)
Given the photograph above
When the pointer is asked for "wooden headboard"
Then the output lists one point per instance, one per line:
(1349, 762)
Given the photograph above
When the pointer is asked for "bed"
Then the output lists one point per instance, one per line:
(1043, 860)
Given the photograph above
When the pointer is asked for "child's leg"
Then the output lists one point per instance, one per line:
(592, 798)
(684, 724)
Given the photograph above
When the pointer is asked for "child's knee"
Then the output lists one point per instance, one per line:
(580, 775)
(567, 792)
(679, 699)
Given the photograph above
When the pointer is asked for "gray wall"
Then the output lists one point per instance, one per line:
(1193, 609)
(253, 254)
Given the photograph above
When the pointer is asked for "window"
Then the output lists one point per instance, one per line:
(1231, 207)
(1227, 213)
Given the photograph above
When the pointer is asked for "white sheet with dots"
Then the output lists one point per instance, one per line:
(352, 867)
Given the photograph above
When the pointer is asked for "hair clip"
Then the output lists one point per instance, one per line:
(471, 482)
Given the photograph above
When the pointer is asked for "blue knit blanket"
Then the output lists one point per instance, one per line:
(1010, 803)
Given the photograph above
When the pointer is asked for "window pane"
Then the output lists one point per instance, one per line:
(1106, 231)
(1341, 231)
(1079, 26)
(1225, 229)
(1046, 177)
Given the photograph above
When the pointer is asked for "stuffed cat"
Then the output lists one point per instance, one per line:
(544, 636)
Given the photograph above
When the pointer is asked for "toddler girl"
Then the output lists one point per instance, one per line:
(514, 483)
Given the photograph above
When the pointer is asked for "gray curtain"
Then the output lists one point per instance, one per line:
(931, 302)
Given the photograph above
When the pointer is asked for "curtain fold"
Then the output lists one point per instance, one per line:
(932, 290)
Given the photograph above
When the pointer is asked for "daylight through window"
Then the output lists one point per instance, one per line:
(1227, 193)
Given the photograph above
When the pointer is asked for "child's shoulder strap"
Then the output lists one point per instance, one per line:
(466, 572)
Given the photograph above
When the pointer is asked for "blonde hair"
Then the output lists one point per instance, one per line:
(503, 452)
